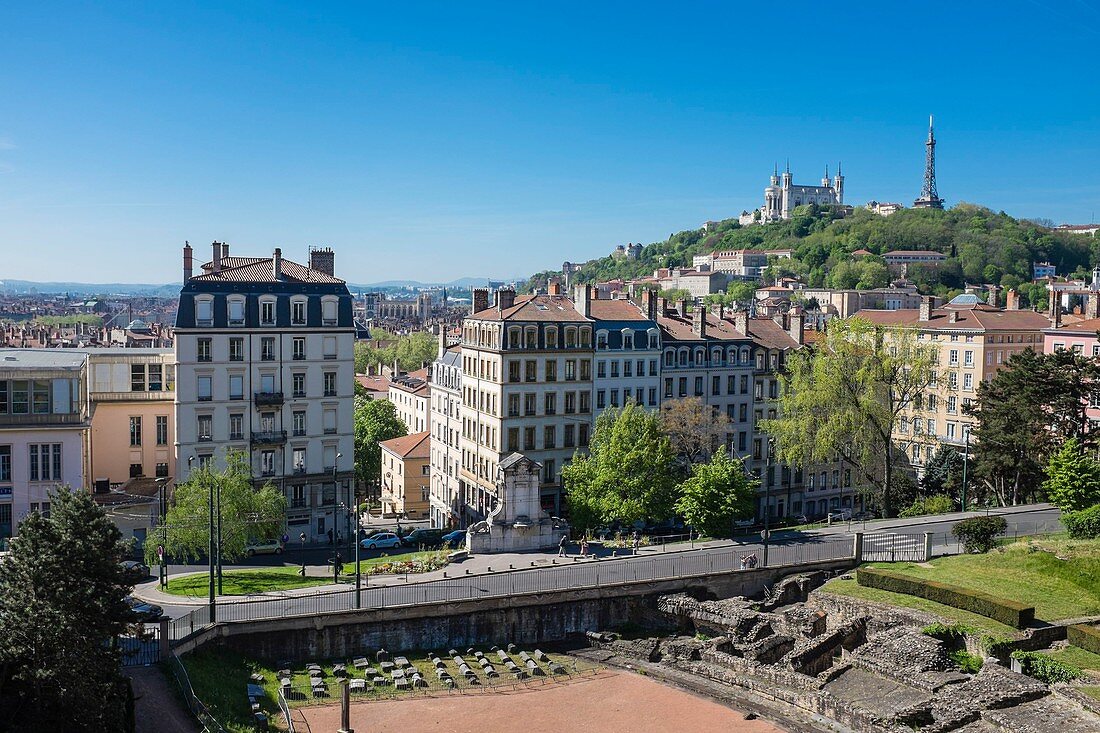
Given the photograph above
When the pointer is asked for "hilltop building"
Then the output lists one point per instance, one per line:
(782, 196)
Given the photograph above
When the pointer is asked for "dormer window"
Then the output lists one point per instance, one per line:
(586, 336)
(204, 311)
(236, 312)
(267, 312)
(601, 340)
(628, 338)
(329, 311)
(298, 312)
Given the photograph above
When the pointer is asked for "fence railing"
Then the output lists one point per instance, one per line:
(509, 583)
(194, 704)
(284, 707)
(945, 543)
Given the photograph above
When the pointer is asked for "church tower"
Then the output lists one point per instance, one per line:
(838, 185)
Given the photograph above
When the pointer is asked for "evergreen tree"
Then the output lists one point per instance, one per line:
(62, 604)
(1073, 478)
(717, 493)
(628, 474)
(943, 474)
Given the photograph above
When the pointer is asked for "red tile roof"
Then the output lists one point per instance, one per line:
(980, 317)
(534, 308)
(616, 310)
(416, 445)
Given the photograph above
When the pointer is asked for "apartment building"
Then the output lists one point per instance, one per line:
(264, 365)
(133, 414)
(526, 387)
(445, 390)
(44, 423)
(1080, 337)
(972, 340)
(406, 478)
(410, 395)
(628, 350)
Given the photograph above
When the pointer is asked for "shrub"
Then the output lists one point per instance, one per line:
(1011, 613)
(1084, 637)
(979, 534)
(939, 504)
(948, 632)
(967, 662)
(1083, 525)
(1045, 669)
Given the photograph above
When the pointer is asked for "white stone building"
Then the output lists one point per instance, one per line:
(782, 196)
(446, 433)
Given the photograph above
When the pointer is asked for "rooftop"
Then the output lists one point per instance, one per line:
(262, 270)
(416, 445)
(534, 308)
(43, 358)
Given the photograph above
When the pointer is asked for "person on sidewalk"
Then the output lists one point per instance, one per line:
(584, 546)
(561, 546)
(338, 565)
(636, 542)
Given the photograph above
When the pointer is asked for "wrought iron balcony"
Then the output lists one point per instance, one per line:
(269, 398)
(269, 437)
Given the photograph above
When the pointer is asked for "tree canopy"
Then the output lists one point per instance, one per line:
(374, 422)
(411, 351)
(628, 474)
(693, 428)
(716, 494)
(247, 513)
(62, 603)
(845, 396)
(1073, 478)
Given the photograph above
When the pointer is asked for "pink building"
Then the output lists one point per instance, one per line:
(1081, 338)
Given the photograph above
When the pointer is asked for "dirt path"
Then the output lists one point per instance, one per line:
(611, 701)
(157, 707)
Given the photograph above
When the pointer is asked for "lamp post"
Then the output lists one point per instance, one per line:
(767, 495)
(211, 552)
(966, 461)
(163, 574)
(219, 490)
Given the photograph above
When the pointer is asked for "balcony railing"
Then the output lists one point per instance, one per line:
(269, 437)
(73, 418)
(269, 398)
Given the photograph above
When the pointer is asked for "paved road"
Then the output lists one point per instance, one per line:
(484, 574)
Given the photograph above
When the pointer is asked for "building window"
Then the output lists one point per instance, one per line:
(298, 384)
(549, 471)
(513, 371)
(329, 418)
(204, 312)
(156, 380)
(204, 353)
(299, 423)
(299, 349)
(528, 438)
(586, 403)
(549, 437)
(5, 463)
(135, 431)
(267, 348)
(330, 384)
(45, 461)
(569, 435)
(299, 460)
(267, 463)
(137, 377)
(204, 427)
(328, 312)
(236, 349)
(136, 470)
(204, 389)
(551, 371)
(570, 403)
(236, 386)
(329, 347)
(582, 435)
(601, 399)
(550, 403)
(236, 426)
(298, 312)
(570, 370)
(267, 312)
(162, 470)
(236, 312)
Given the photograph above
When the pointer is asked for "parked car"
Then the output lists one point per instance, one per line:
(143, 611)
(134, 571)
(863, 516)
(423, 537)
(381, 540)
(263, 547)
(841, 516)
(454, 539)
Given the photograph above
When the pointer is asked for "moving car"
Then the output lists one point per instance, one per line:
(454, 539)
(263, 547)
(134, 571)
(144, 611)
(423, 537)
(381, 540)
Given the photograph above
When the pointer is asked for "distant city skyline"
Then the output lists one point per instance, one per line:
(442, 141)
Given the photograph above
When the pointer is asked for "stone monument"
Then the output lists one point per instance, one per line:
(517, 523)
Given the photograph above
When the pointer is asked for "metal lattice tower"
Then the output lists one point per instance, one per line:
(929, 197)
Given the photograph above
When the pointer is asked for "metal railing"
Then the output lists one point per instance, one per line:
(945, 543)
(506, 583)
(284, 707)
(194, 704)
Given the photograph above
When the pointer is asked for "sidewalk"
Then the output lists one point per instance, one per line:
(481, 564)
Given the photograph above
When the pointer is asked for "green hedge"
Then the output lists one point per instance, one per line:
(1083, 525)
(1084, 637)
(1007, 612)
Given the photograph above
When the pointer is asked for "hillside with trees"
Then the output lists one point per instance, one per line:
(983, 247)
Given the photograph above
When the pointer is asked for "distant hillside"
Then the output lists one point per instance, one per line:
(27, 286)
(983, 247)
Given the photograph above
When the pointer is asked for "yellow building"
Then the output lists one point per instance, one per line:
(973, 339)
(131, 394)
(406, 480)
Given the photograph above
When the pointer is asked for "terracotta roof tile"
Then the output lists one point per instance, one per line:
(416, 445)
(534, 308)
(261, 270)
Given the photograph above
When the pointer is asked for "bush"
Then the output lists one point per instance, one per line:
(1083, 525)
(1010, 613)
(1045, 669)
(939, 504)
(967, 662)
(979, 534)
(1084, 637)
(948, 632)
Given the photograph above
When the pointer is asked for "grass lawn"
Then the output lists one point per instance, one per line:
(1059, 577)
(1079, 658)
(843, 587)
(1092, 691)
(245, 582)
(220, 679)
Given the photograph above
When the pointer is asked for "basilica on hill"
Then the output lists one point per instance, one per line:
(782, 196)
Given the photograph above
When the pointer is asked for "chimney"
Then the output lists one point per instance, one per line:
(188, 262)
(480, 298)
(1054, 303)
(953, 317)
(1012, 300)
(925, 308)
(582, 300)
(506, 298)
(225, 251)
(323, 259)
(699, 322)
(741, 321)
(553, 287)
(1056, 315)
(682, 307)
(649, 301)
(1092, 305)
(277, 264)
(442, 340)
(662, 307)
(217, 261)
(991, 298)
(796, 327)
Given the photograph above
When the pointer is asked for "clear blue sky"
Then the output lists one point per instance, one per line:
(437, 140)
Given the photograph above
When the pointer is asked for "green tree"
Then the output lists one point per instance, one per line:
(628, 474)
(1024, 413)
(374, 422)
(1073, 478)
(846, 397)
(717, 493)
(943, 474)
(693, 428)
(62, 603)
(247, 513)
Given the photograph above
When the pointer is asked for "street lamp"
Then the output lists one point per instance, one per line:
(966, 460)
(767, 495)
(163, 574)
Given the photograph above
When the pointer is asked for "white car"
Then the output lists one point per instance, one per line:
(381, 540)
(842, 516)
(263, 547)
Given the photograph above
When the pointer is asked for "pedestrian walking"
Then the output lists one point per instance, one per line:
(330, 538)
(584, 546)
(637, 542)
(561, 546)
(339, 562)
(752, 561)
(744, 562)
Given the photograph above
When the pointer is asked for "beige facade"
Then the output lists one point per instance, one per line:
(972, 340)
(411, 398)
(132, 394)
(405, 475)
